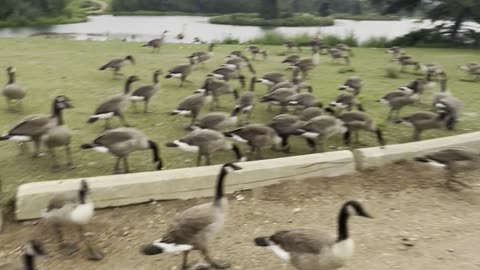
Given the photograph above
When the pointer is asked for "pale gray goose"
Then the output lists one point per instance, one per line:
(308, 249)
(454, 160)
(117, 64)
(191, 229)
(306, 64)
(254, 50)
(33, 127)
(360, 121)
(347, 101)
(202, 57)
(292, 59)
(256, 136)
(337, 54)
(218, 120)
(12, 91)
(192, 105)
(217, 88)
(352, 85)
(32, 250)
(146, 92)
(120, 142)
(405, 60)
(181, 72)
(114, 106)
(157, 42)
(444, 100)
(302, 101)
(279, 97)
(286, 125)
(422, 121)
(205, 142)
(472, 69)
(310, 113)
(246, 102)
(227, 74)
(321, 128)
(396, 100)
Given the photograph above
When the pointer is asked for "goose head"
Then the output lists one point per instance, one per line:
(62, 102)
(130, 58)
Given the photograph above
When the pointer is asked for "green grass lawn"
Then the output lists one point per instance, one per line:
(48, 68)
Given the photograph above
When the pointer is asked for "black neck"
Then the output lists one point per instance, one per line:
(29, 262)
(11, 77)
(343, 224)
(127, 86)
(154, 147)
(57, 113)
(220, 180)
(252, 84)
(82, 194)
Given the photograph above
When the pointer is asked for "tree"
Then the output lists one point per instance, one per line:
(269, 9)
(357, 8)
(324, 9)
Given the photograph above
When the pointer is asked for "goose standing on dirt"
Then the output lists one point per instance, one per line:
(246, 102)
(181, 72)
(308, 249)
(360, 121)
(120, 142)
(254, 50)
(145, 93)
(117, 64)
(192, 105)
(156, 43)
(422, 121)
(77, 210)
(286, 125)
(202, 57)
(192, 229)
(218, 120)
(32, 250)
(321, 128)
(256, 136)
(33, 127)
(114, 106)
(12, 91)
(454, 160)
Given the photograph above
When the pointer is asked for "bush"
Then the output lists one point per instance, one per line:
(273, 38)
(377, 42)
(299, 19)
(365, 17)
(391, 72)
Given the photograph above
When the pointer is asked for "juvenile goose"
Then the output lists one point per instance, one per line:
(205, 142)
(217, 88)
(117, 64)
(181, 72)
(218, 120)
(395, 51)
(405, 60)
(254, 50)
(305, 65)
(347, 101)
(296, 83)
(202, 57)
(279, 97)
(246, 102)
(358, 121)
(12, 91)
(256, 136)
(270, 79)
(239, 63)
(352, 85)
(292, 59)
(396, 100)
(321, 128)
(120, 142)
(156, 43)
(145, 93)
(33, 127)
(286, 125)
(453, 160)
(337, 54)
(77, 210)
(302, 101)
(310, 113)
(32, 250)
(192, 105)
(227, 73)
(308, 249)
(472, 69)
(192, 229)
(114, 106)
(422, 121)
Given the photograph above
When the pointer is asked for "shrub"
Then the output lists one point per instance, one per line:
(365, 17)
(377, 42)
(299, 19)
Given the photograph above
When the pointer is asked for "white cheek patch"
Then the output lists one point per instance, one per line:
(281, 253)
(186, 147)
(231, 66)
(293, 102)
(172, 248)
(266, 82)
(218, 76)
(200, 91)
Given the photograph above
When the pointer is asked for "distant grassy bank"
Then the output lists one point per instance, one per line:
(299, 19)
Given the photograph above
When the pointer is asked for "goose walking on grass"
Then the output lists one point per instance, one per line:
(218, 120)
(202, 57)
(406, 60)
(217, 88)
(286, 125)
(360, 121)
(306, 64)
(472, 69)
(120, 142)
(423, 121)
(157, 42)
(311, 249)
(347, 101)
(145, 93)
(33, 127)
(181, 72)
(246, 102)
(321, 128)
(77, 210)
(116, 65)
(256, 136)
(32, 250)
(192, 229)
(396, 100)
(454, 161)
(192, 105)
(352, 85)
(227, 74)
(13, 92)
(254, 50)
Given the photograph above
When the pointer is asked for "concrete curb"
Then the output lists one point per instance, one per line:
(120, 190)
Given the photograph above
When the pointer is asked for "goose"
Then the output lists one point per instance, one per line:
(156, 43)
(228, 73)
(422, 121)
(352, 85)
(181, 72)
(286, 125)
(114, 106)
(181, 35)
(33, 127)
(396, 100)
(205, 142)
(217, 88)
(235, 54)
(344, 48)
(12, 91)
(295, 83)
(239, 63)
(453, 160)
(120, 142)
(302, 101)
(405, 60)
(444, 100)
(347, 101)
(310, 113)
(202, 57)
(337, 54)
(218, 120)
(292, 59)
(292, 44)
(197, 40)
(254, 50)
(358, 121)
(32, 250)
(271, 79)
(316, 43)
(472, 69)
(77, 210)
(117, 64)
(321, 128)
(305, 65)
(146, 92)
(192, 229)
(308, 249)
(432, 71)
(192, 105)
(256, 136)
(417, 86)
(280, 97)
(246, 102)
(395, 51)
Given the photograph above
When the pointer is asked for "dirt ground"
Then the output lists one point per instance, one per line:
(418, 224)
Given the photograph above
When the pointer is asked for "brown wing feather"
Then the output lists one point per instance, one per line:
(303, 240)
(110, 105)
(31, 125)
(112, 137)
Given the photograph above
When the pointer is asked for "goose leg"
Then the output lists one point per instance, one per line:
(185, 265)
(390, 113)
(451, 179)
(71, 248)
(55, 167)
(107, 124)
(312, 144)
(199, 159)
(122, 119)
(217, 264)
(125, 165)
(93, 254)
(116, 168)
(207, 157)
(36, 143)
(416, 135)
(145, 106)
(68, 151)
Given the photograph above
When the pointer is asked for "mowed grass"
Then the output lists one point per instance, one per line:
(48, 68)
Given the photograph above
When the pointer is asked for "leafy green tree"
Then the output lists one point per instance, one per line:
(269, 9)
(324, 9)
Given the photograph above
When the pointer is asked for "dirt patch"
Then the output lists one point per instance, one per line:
(418, 224)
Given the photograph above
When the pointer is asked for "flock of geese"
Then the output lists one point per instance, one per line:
(301, 114)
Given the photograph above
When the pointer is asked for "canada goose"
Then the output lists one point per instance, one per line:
(192, 105)
(405, 60)
(292, 44)
(181, 35)
(197, 40)
(235, 54)
(246, 102)
(308, 249)
(431, 71)
(472, 69)
(181, 72)
(292, 59)
(395, 51)
(217, 88)
(454, 160)
(227, 73)
(279, 97)
(344, 48)
(12, 91)
(114, 106)
(205, 142)
(347, 101)
(256, 136)
(302, 101)
(310, 113)
(321, 128)
(305, 65)
(295, 83)
(120, 142)
(422, 121)
(156, 43)
(202, 57)
(218, 120)
(316, 43)
(75, 210)
(238, 63)
(396, 100)
(286, 125)
(353, 85)
(445, 101)
(418, 86)
(358, 121)
(192, 229)
(337, 54)
(270, 79)
(33, 127)
(145, 93)
(254, 50)
(32, 249)
(117, 64)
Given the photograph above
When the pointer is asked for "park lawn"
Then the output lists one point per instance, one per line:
(48, 68)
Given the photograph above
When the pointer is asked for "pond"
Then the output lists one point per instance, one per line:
(142, 28)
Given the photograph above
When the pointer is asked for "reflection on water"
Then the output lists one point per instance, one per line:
(142, 28)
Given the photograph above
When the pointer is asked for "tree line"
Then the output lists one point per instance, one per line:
(20, 10)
